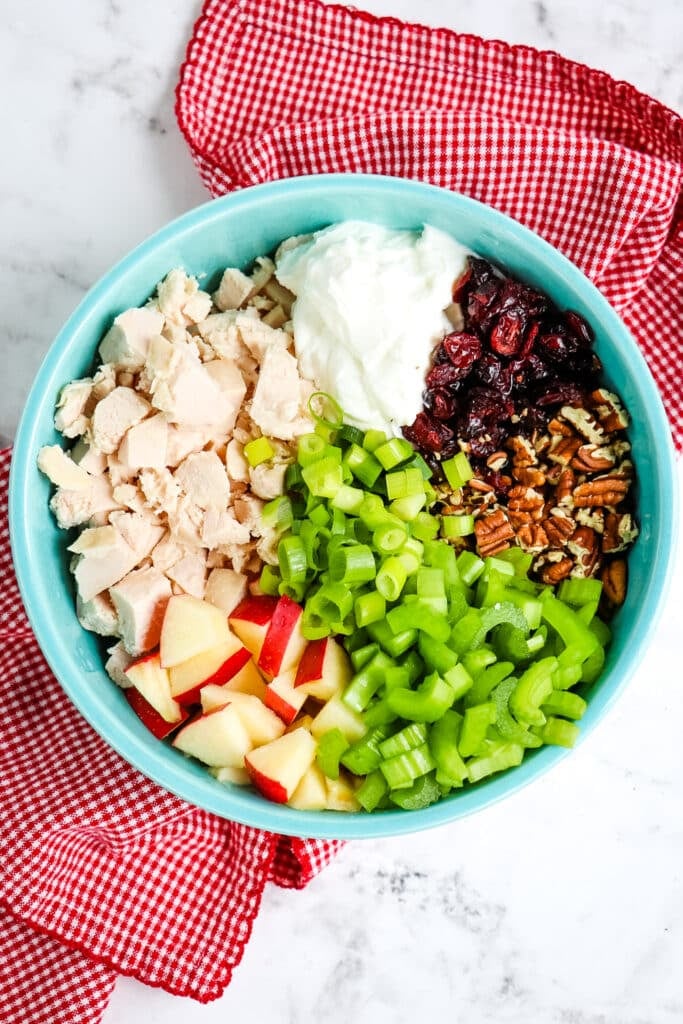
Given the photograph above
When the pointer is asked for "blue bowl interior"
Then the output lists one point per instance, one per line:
(233, 231)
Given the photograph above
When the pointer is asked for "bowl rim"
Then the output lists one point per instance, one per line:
(228, 802)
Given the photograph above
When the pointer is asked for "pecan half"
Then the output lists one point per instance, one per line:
(497, 461)
(563, 449)
(609, 410)
(565, 488)
(530, 476)
(559, 526)
(584, 545)
(601, 490)
(558, 428)
(493, 533)
(590, 458)
(524, 453)
(614, 581)
(526, 499)
(584, 423)
(555, 572)
(620, 531)
(532, 537)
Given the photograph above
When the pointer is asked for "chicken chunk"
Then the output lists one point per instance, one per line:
(203, 478)
(61, 470)
(114, 415)
(182, 388)
(268, 480)
(126, 343)
(144, 445)
(179, 299)
(219, 527)
(104, 556)
(98, 615)
(189, 573)
(71, 419)
(140, 600)
(234, 289)
(259, 336)
(116, 664)
(75, 507)
(225, 588)
(89, 458)
(276, 405)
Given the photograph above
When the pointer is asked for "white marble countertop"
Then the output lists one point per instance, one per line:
(563, 904)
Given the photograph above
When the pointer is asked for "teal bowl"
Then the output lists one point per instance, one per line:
(232, 231)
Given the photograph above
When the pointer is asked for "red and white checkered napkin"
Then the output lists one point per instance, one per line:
(101, 871)
(277, 88)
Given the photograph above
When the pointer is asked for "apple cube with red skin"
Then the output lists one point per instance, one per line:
(284, 698)
(251, 619)
(215, 665)
(247, 680)
(276, 768)
(324, 669)
(153, 682)
(262, 724)
(217, 738)
(191, 626)
(311, 793)
(151, 718)
(284, 643)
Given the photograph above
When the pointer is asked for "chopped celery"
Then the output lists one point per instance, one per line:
(371, 792)
(406, 739)
(438, 656)
(497, 758)
(559, 732)
(402, 770)
(363, 756)
(425, 704)
(534, 686)
(567, 705)
(486, 680)
(423, 792)
(331, 745)
(474, 728)
(443, 743)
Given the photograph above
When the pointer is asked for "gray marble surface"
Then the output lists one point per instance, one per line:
(563, 905)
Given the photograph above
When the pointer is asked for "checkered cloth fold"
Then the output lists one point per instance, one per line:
(102, 871)
(277, 88)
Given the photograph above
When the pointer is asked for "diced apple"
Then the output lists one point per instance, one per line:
(247, 680)
(337, 715)
(340, 795)
(311, 793)
(276, 768)
(217, 665)
(191, 626)
(262, 724)
(233, 776)
(225, 588)
(284, 643)
(283, 697)
(151, 718)
(301, 722)
(152, 681)
(218, 738)
(324, 669)
(250, 621)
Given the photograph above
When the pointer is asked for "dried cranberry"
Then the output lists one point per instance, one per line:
(427, 433)
(484, 409)
(557, 346)
(461, 285)
(440, 355)
(490, 372)
(441, 375)
(500, 483)
(484, 444)
(463, 350)
(559, 392)
(526, 371)
(578, 326)
(508, 331)
(529, 340)
(441, 404)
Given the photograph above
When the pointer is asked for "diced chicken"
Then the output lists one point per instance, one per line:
(268, 480)
(144, 445)
(185, 522)
(220, 330)
(203, 478)
(131, 497)
(238, 555)
(60, 468)
(219, 527)
(140, 531)
(181, 441)
(178, 299)
(225, 588)
(98, 615)
(266, 547)
(140, 600)
(116, 664)
(175, 333)
(182, 388)
(160, 489)
(104, 558)
(167, 552)
(234, 289)
(103, 383)
(126, 343)
(259, 337)
(89, 458)
(276, 407)
(119, 472)
(248, 512)
(236, 464)
(229, 379)
(70, 418)
(189, 573)
(75, 507)
(120, 410)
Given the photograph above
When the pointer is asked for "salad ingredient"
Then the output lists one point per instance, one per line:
(276, 769)
(190, 626)
(368, 311)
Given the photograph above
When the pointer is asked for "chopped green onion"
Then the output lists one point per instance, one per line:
(350, 435)
(457, 470)
(277, 514)
(310, 448)
(291, 555)
(393, 452)
(348, 499)
(326, 410)
(391, 578)
(362, 655)
(409, 507)
(389, 536)
(269, 581)
(373, 439)
(323, 477)
(424, 526)
(369, 607)
(362, 464)
(258, 451)
(404, 483)
(456, 526)
(352, 564)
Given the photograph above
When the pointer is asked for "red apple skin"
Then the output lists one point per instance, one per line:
(280, 706)
(285, 617)
(149, 717)
(258, 608)
(223, 674)
(270, 788)
(311, 665)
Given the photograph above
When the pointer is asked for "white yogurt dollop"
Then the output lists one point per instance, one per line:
(368, 312)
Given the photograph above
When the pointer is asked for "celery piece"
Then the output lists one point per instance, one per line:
(402, 770)
(474, 727)
(511, 643)
(258, 451)
(567, 705)
(534, 687)
(360, 656)
(459, 680)
(476, 661)
(470, 567)
(559, 732)
(505, 724)
(436, 655)
(408, 738)
(486, 680)
(426, 704)
(443, 743)
(440, 555)
(378, 711)
(395, 644)
(568, 625)
(465, 630)
(423, 792)
(397, 675)
(520, 560)
(331, 745)
(414, 666)
(593, 666)
(577, 591)
(367, 682)
(497, 758)
(371, 792)
(363, 756)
